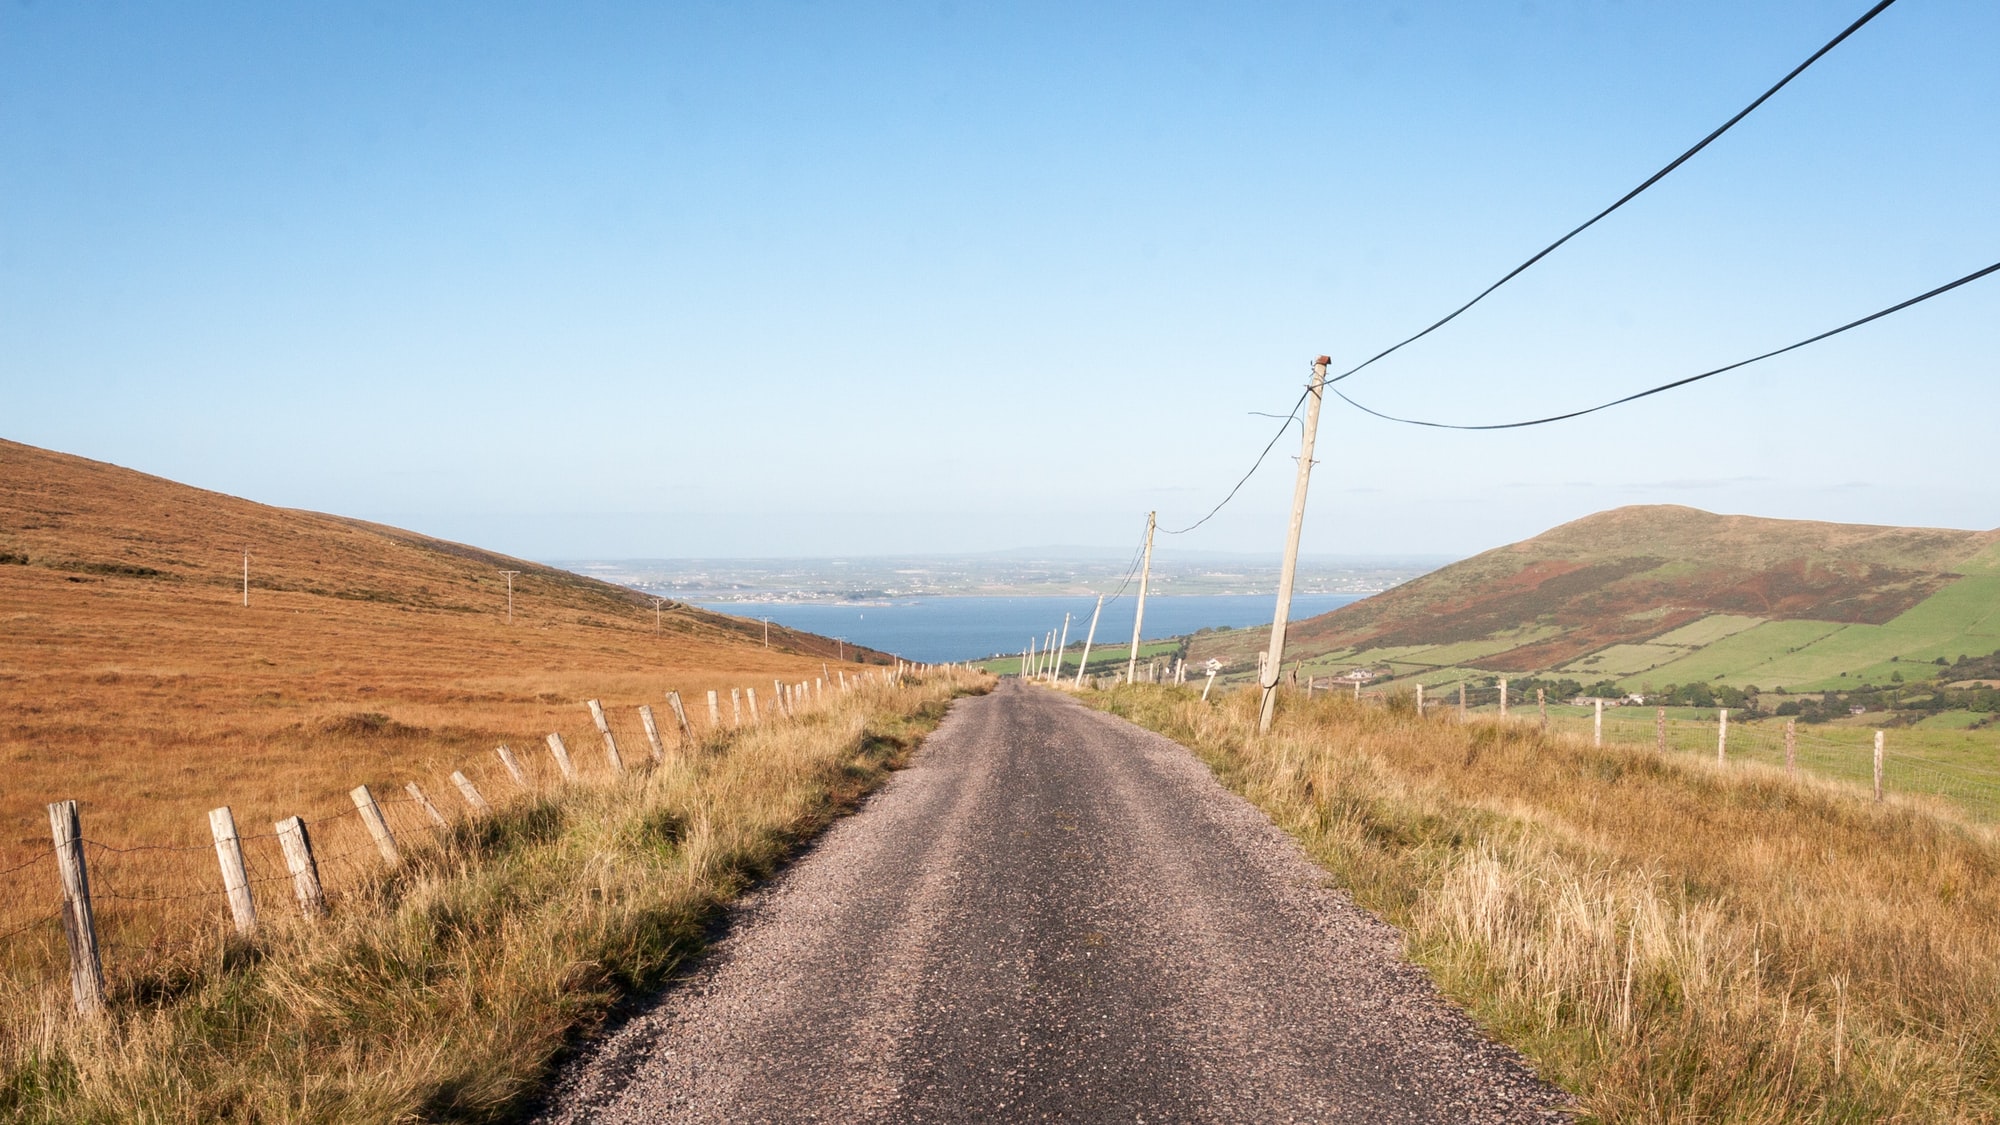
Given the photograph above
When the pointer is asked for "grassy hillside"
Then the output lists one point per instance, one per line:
(1658, 594)
(133, 678)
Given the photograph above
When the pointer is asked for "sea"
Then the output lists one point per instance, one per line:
(939, 630)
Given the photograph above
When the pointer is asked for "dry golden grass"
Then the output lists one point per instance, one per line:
(444, 989)
(133, 679)
(1672, 941)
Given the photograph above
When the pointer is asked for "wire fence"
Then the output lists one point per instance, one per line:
(152, 901)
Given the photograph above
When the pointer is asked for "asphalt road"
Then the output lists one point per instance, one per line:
(1052, 915)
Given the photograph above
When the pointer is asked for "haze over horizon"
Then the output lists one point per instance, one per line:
(799, 281)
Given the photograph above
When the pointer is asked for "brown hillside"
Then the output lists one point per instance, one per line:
(1636, 572)
(133, 679)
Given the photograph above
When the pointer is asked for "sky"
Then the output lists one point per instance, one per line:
(799, 279)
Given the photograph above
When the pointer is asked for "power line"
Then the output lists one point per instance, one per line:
(1254, 466)
(1917, 300)
(1628, 196)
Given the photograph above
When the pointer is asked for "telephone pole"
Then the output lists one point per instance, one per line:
(1055, 674)
(510, 596)
(1315, 393)
(1139, 618)
(246, 577)
(656, 614)
(1087, 638)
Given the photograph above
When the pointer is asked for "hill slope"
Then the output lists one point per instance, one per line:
(133, 677)
(1671, 593)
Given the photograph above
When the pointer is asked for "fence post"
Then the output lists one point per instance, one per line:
(1420, 701)
(86, 972)
(736, 707)
(653, 742)
(1878, 765)
(235, 880)
(714, 712)
(1542, 705)
(610, 742)
(1660, 730)
(779, 703)
(470, 792)
(1597, 723)
(1503, 697)
(297, 844)
(514, 769)
(1792, 746)
(751, 695)
(1721, 735)
(680, 716)
(424, 803)
(561, 753)
(378, 826)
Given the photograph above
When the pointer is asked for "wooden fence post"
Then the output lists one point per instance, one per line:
(1597, 724)
(1461, 697)
(86, 972)
(778, 704)
(235, 880)
(653, 742)
(610, 741)
(1721, 736)
(377, 824)
(1503, 697)
(424, 803)
(514, 769)
(736, 706)
(561, 753)
(681, 716)
(297, 844)
(1878, 765)
(1792, 746)
(1660, 730)
(751, 693)
(714, 712)
(1420, 701)
(470, 792)
(1542, 705)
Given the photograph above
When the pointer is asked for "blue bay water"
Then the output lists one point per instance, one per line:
(943, 629)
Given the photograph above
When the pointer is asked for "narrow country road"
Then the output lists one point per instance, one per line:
(1052, 915)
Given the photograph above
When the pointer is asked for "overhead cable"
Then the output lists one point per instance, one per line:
(1628, 196)
(1917, 300)
(1254, 466)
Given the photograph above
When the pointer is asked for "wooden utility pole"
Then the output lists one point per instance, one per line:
(1087, 638)
(1315, 393)
(1055, 676)
(510, 594)
(246, 577)
(656, 614)
(1139, 618)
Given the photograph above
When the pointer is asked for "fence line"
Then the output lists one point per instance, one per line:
(229, 870)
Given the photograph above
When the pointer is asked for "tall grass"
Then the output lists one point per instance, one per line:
(1672, 941)
(445, 989)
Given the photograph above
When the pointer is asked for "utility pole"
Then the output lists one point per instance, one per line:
(1315, 393)
(767, 632)
(1139, 618)
(1087, 638)
(840, 649)
(510, 595)
(656, 613)
(246, 577)
(1055, 674)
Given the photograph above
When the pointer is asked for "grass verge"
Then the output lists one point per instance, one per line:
(1671, 941)
(446, 989)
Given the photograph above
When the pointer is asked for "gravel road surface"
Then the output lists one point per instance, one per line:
(1052, 915)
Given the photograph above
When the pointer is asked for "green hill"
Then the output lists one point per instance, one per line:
(1653, 595)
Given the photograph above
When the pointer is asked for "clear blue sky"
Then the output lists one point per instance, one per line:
(798, 278)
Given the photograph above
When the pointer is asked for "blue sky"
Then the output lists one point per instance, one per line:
(800, 278)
